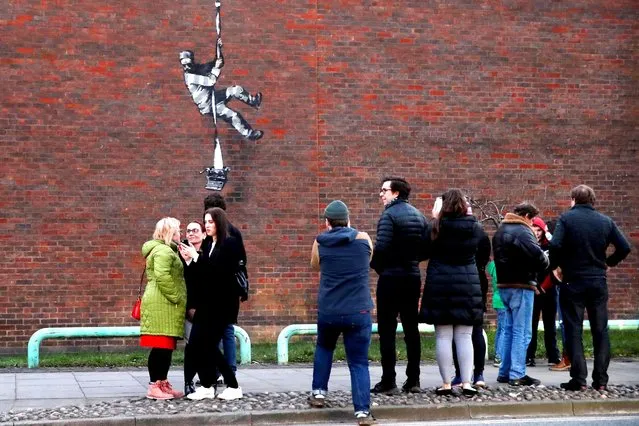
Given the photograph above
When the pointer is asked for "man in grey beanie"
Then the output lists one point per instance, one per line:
(342, 255)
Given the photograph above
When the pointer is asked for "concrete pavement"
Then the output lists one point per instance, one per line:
(41, 388)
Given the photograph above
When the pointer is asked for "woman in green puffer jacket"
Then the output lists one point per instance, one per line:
(163, 305)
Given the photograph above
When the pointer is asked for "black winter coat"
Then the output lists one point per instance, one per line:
(580, 241)
(452, 292)
(218, 297)
(518, 256)
(401, 232)
(235, 233)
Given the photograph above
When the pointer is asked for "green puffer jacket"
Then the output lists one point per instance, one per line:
(164, 300)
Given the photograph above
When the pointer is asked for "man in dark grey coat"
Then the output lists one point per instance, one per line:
(401, 232)
(578, 246)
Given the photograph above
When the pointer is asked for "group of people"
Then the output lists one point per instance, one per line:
(192, 293)
(526, 262)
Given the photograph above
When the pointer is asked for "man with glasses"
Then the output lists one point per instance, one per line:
(195, 236)
(401, 231)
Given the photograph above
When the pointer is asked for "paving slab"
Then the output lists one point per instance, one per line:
(48, 392)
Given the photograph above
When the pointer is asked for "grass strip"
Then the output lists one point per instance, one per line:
(624, 343)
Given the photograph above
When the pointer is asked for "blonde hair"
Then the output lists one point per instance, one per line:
(165, 229)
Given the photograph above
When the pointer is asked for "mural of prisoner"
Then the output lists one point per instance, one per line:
(200, 80)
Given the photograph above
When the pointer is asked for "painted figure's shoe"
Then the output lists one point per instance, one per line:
(255, 135)
(257, 100)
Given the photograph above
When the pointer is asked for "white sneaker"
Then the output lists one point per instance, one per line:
(230, 393)
(202, 393)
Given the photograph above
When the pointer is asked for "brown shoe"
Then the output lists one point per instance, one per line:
(563, 365)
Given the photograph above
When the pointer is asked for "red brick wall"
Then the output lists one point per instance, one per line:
(99, 137)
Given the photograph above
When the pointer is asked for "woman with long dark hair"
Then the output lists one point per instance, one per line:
(452, 298)
(217, 304)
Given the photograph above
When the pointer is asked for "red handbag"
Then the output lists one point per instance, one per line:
(135, 312)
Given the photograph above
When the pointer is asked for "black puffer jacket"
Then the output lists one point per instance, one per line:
(518, 256)
(452, 293)
(401, 232)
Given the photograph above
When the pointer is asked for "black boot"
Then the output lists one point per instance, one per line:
(385, 388)
(411, 386)
(188, 388)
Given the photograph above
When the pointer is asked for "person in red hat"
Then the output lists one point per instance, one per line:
(545, 304)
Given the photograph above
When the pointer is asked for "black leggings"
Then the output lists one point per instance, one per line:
(159, 363)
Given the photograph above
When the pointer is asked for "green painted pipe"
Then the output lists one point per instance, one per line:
(612, 325)
(300, 329)
(33, 348)
(311, 329)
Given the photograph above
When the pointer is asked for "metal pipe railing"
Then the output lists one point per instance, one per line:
(311, 329)
(33, 348)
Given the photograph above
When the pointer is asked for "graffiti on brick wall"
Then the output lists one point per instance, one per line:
(201, 79)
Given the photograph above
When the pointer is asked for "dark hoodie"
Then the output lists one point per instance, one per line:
(344, 255)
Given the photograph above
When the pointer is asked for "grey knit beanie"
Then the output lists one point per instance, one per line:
(336, 210)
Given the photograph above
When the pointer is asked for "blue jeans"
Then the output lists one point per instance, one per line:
(517, 331)
(227, 346)
(499, 334)
(357, 338)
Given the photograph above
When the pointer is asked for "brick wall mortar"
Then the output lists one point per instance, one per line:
(99, 137)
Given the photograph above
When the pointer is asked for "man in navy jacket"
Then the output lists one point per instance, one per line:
(344, 307)
(401, 233)
(579, 247)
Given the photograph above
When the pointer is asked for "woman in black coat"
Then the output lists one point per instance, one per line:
(217, 304)
(452, 298)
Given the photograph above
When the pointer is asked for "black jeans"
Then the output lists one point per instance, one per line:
(546, 305)
(398, 295)
(204, 341)
(590, 294)
(479, 352)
